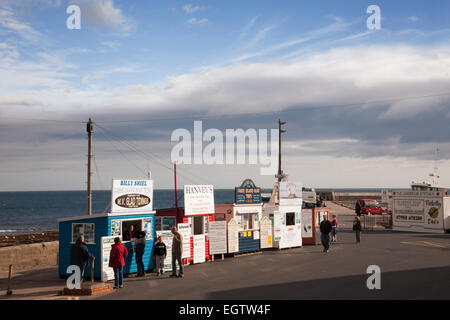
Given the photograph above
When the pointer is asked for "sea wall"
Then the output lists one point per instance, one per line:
(29, 256)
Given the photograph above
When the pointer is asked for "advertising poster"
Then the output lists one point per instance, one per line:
(106, 244)
(185, 230)
(199, 248)
(265, 233)
(167, 239)
(277, 225)
(291, 192)
(115, 228)
(198, 200)
(233, 236)
(217, 236)
(131, 195)
(148, 228)
(307, 223)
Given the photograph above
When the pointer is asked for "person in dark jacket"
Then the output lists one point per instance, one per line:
(129, 234)
(159, 252)
(325, 229)
(117, 257)
(357, 229)
(358, 208)
(177, 251)
(79, 255)
(139, 248)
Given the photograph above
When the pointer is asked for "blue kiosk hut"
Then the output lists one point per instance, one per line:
(131, 205)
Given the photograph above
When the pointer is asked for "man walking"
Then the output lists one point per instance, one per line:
(80, 255)
(325, 229)
(177, 249)
(139, 248)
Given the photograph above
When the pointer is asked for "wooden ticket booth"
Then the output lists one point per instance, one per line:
(311, 219)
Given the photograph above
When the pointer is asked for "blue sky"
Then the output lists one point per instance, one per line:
(170, 59)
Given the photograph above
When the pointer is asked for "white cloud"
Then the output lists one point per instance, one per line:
(12, 25)
(248, 27)
(103, 13)
(413, 19)
(190, 8)
(195, 21)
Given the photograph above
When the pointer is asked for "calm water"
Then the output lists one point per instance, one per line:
(25, 212)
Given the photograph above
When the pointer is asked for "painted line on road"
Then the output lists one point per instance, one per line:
(426, 244)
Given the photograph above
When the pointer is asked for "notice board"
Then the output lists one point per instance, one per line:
(106, 244)
(265, 228)
(199, 248)
(185, 230)
(167, 239)
(217, 236)
(233, 236)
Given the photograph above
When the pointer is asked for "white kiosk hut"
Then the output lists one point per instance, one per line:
(284, 210)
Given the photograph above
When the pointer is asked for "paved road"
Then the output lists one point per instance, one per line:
(414, 266)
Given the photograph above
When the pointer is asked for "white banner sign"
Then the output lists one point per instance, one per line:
(106, 244)
(217, 236)
(185, 230)
(131, 195)
(233, 236)
(277, 225)
(167, 239)
(198, 200)
(199, 248)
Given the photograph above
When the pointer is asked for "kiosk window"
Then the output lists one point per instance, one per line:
(198, 225)
(290, 218)
(83, 229)
(131, 229)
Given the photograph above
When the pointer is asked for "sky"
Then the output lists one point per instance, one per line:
(365, 108)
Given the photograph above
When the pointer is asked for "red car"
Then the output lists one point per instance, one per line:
(369, 207)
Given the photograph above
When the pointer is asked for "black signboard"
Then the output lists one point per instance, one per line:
(132, 201)
(247, 193)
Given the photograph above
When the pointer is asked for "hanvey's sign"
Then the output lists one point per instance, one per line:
(247, 193)
(198, 200)
(132, 195)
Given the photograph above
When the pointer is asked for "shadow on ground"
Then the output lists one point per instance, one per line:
(428, 284)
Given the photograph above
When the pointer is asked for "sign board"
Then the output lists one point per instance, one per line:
(265, 233)
(307, 223)
(185, 230)
(384, 195)
(290, 192)
(277, 225)
(148, 228)
(116, 228)
(247, 193)
(198, 200)
(233, 236)
(199, 248)
(217, 236)
(167, 239)
(131, 195)
(106, 244)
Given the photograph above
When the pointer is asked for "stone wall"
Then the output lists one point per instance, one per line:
(29, 256)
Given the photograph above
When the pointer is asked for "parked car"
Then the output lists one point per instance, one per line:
(370, 207)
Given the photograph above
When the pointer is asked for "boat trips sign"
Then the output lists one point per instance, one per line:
(198, 200)
(247, 193)
(131, 195)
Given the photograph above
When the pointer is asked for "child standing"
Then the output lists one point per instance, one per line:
(159, 252)
(334, 224)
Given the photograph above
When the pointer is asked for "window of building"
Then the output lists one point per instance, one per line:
(198, 222)
(165, 223)
(83, 229)
(131, 229)
(290, 218)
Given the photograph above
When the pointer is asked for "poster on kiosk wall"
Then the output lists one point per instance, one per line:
(291, 193)
(198, 200)
(132, 195)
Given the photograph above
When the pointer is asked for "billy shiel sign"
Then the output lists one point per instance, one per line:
(132, 195)
(198, 200)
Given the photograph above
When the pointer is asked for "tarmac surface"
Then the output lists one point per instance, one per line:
(413, 266)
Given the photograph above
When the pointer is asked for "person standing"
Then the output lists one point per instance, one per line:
(117, 257)
(334, 225)
(139, 248)
(358, 208)
(357, 229)
(325, 229)
(177, 249)
(80, 255)
(159, 252)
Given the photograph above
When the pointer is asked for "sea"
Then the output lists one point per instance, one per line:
(38, 211)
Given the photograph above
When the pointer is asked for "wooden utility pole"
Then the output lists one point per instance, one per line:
(89, 129)
(175, 183)
(280, 131)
